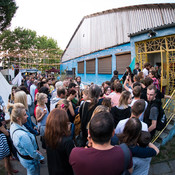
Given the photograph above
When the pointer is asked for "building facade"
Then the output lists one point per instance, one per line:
(111, 40)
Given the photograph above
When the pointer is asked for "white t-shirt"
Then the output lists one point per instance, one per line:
(142, 115)
(120, 127)
(145, 72)
(53, 102)
(29, 100)
(32, 91)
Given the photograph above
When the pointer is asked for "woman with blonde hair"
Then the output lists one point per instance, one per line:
(21, 97)
(58, 143)
(98, 109)
(41, 114)
(23, 140)
(123, 110)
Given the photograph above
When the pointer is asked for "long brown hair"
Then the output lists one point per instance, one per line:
(56, 127)
(123, 100)
(94, 94)
(12, 94)
(131, 132)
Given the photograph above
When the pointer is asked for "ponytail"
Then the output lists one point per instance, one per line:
(94, 94)
(16, 111)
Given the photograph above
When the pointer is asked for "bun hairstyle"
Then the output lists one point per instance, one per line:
(63, 104)
(40, 98)
(16, 111)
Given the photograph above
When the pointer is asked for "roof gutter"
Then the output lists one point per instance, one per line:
(147, 30)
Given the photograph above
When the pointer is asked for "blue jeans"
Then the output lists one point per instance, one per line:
(32, 166)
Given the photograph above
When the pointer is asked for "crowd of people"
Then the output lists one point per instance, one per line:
(85, 129)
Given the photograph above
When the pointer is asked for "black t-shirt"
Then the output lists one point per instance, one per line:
(85, 117)
(120, 114)
(0, 126)
(125, 75)
(58, 159)
(71, 118)
(159, 95)
(114, 78)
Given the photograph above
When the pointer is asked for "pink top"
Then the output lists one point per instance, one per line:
(156, 83)
(114, 98)
(36, 91)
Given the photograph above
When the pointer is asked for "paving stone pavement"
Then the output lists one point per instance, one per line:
(162, 168)
(22, 170)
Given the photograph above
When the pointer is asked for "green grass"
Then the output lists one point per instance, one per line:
(167, 152)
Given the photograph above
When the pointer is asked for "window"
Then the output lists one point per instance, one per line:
(105, 65)
(81, 67)
(122, 61)
(90, 66)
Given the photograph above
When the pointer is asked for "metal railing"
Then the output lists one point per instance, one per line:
(169, 109)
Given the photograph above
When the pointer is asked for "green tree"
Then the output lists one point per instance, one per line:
(49, 52)
(18, 39)
(7, 10)
(29, 50)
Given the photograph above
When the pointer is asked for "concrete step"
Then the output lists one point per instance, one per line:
(169, 127)
(172, 121)
(163, 136)
(157, 144)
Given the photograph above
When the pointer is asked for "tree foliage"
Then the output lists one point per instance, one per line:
(7, 10)
(24, 47)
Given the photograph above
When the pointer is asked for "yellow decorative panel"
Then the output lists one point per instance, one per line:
(161, 45)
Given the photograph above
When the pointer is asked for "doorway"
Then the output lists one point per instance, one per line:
(154, 58)
(74, 73)
(159, 51)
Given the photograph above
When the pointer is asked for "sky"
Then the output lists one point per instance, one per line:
(58, 19)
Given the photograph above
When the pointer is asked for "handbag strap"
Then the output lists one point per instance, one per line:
(126, 152)
(83, 108)
(27, 157)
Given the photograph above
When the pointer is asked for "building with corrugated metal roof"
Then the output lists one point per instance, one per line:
(112, 39)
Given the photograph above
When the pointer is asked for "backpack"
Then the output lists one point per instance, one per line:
(161, 120)
(77, 123)
(127, 158)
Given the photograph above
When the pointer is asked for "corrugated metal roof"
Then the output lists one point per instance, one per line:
(112, 27)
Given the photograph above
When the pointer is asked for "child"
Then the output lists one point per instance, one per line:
(147, 150)
(85, 96)
(107, 91)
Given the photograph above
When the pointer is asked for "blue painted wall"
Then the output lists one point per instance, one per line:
(96, 78)
(99, 78)
(141, 37)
